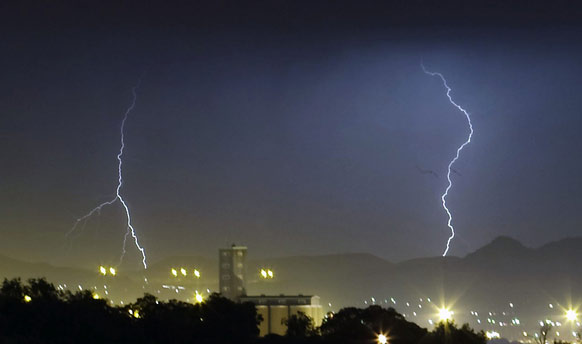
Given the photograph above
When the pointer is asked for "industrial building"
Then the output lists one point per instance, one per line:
(275, 310)
(232, 272)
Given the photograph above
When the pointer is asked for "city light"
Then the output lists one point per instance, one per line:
(96, 296)
(445, 314)
(492, 334)
(196, 273)
(27, 298)
(571, 315)
(174, 272)
(104, 270)
(199, 298)
(267, 274)
(382, 339)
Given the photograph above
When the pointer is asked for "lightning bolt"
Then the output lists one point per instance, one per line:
(452, 162)
(118, 197)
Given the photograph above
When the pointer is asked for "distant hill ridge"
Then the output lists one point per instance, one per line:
(508, 267)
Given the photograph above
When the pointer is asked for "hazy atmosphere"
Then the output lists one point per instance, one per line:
(289, 139)
(290, 172)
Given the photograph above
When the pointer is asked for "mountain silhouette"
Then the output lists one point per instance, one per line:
(501, 272)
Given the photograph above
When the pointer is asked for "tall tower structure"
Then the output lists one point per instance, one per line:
(232, 272)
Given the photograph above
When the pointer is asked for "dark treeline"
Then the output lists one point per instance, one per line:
(37, 312)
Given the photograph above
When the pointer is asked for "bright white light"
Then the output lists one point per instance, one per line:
(382, 339)
(571, 315)
(492, 334)
(445, 314)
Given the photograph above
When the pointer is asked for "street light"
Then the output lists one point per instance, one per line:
(571, 315)
(445, 314)
(198, 297)
(382, 339)
(196, 273)
(27, 298)
(267, 274)
(183, 271)
(492, 335)
(174, 272)
(105, 270)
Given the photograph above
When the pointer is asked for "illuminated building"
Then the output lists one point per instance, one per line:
(276, 309)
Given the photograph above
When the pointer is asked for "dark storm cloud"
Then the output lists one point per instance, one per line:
(295, 134)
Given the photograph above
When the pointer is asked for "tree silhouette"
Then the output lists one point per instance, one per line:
(545, 330)
(300, 325)
(448, 333)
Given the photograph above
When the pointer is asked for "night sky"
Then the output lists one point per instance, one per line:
(288, 128)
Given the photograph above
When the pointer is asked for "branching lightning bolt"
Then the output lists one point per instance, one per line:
(452, 162)
(118, 196)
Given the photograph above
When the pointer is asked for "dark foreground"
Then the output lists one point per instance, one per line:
(39, 313)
